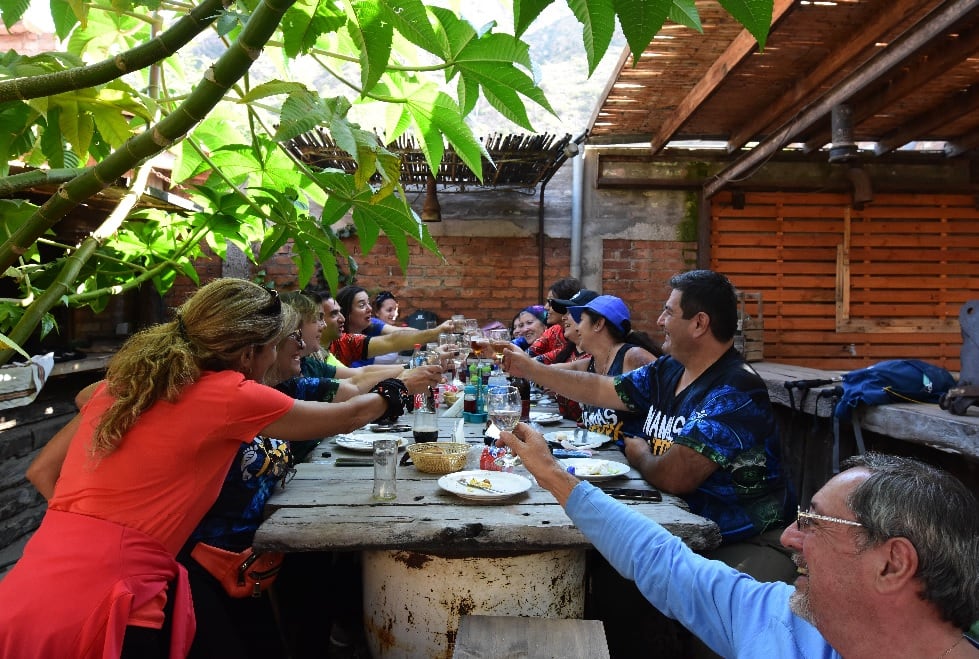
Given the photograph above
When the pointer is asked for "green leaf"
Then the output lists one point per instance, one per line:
(14, 115)
(52, 145)
(410, 19)
(452, 31)
(65, 18)
(684, 12)
(308, 20)
(272, 88)
(217, 129)
(597, 18)
(526, 12)
(641, 20)
(755, 15)
(439, 116)
(13, 10)
(304, 110)
(112, 124)
(372, 35)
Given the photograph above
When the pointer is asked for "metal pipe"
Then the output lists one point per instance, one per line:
(577, 182)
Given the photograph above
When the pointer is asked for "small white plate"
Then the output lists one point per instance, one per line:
(545, 418)
(504, 484)
(365, 441)
(591, 469)
(568, 439)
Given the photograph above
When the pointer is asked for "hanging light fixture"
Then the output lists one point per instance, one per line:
(431, 210)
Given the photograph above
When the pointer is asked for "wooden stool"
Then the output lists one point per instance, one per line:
(529, 638)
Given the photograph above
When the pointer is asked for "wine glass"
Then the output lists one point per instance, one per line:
(499, 339)
(504, 407)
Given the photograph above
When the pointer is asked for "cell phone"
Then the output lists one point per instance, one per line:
(634, 494)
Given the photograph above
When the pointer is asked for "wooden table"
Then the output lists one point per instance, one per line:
(918, 423)
(326, 507)
(429, 557)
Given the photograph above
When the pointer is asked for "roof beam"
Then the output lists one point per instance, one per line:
(963, 103)
(940, 59)
(740, 47)
(862, 38)
(900, 49)
(963, 144)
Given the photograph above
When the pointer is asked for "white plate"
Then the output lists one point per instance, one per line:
(365, 441)
(504, 483)
(545, 418)
(568, 438)
(591, 469)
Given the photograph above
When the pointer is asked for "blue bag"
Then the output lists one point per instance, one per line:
(894, 381)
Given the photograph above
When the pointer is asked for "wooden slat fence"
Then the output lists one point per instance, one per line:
(845, 288)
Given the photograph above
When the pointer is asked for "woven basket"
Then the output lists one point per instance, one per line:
(439, 457)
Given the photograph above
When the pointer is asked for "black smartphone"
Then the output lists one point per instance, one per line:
(634, 494)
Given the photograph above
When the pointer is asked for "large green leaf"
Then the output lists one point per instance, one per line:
(597, 18)
(304, 110)
(12, 11)
(526, 12)
(216, 130)
(438, 115)
(641, 20)
(306, 21)
(755, 15)
(410, 19)
(65, 18)
(684, 12)
(452, 31)
(373, 35)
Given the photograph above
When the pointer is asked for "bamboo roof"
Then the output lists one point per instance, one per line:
(518, 161)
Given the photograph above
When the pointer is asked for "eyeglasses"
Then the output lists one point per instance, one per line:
(806, 517)
(274, 307)
(297, 336)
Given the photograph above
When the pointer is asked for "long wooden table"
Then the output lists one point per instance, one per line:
(326, 507)
(430, 557)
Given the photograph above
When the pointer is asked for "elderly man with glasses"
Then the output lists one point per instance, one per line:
(886, 555)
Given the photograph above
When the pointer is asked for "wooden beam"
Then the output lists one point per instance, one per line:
(938, 61)
(623, 60)
(802, 91)
(740, 47)
(963, 103)
(963, 144)
(882, 64)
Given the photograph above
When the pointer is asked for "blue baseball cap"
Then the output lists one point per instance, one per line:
(611, 308)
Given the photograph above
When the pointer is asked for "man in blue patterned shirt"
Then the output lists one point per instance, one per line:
(709, 435)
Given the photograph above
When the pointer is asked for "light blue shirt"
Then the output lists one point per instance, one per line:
(731, 612)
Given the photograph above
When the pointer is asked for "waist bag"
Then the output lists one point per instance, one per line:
(242, 574)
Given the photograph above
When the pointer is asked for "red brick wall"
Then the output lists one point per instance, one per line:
(483, 278)
(638, 271)
(492, 278)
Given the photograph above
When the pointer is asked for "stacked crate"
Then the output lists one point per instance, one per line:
(750, 338)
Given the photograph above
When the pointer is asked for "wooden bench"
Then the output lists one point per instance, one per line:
(529, 638)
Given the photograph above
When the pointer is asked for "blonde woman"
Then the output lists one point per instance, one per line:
(151, 450)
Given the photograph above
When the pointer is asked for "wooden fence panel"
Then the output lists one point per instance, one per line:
(845, 288)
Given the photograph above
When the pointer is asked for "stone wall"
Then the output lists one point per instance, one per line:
(25, 430)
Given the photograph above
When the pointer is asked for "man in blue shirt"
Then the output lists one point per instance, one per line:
(886, 558)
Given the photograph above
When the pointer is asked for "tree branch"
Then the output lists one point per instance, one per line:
(154, 50)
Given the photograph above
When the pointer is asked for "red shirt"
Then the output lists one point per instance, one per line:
(548, 344)
(350, 348)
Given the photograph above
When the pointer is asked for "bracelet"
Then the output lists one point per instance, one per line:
(395, 394)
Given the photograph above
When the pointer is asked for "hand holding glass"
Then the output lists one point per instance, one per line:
(503, 406)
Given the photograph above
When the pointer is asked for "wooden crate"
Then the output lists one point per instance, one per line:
(750, 340)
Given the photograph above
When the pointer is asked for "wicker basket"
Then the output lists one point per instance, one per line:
(438, 457)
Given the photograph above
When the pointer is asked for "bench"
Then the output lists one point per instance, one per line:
(529, 638)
